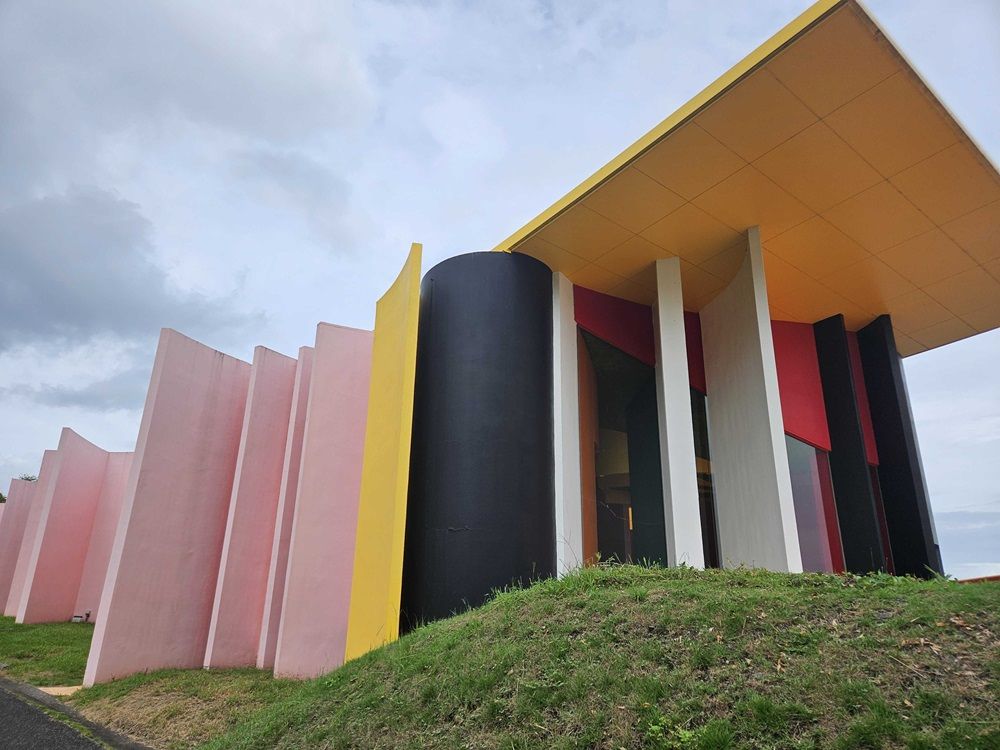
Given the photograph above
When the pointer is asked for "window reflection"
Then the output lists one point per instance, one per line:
(706, 494)
(815, 515)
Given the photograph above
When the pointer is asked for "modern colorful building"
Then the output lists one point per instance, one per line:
(693, 358)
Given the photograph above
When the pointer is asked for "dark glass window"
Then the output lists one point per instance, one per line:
(706, 493)
(812, 492)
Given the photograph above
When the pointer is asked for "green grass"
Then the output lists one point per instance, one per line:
(628, 657)
(43, 655)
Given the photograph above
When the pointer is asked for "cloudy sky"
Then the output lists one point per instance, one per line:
(241, 170)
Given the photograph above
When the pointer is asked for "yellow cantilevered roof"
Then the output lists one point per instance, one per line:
(870, 197)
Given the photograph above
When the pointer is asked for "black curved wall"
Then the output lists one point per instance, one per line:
(480, 508)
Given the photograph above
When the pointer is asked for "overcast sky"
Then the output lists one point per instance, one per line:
(242, 170)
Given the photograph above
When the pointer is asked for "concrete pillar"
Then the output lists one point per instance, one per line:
(102, 537)
(271, 616)
(234, 632)
(157, 600)
(908, 513)
(15, 518)
(65, 521)
(566, 432)
(50, 466)
(312, 635)
(681, 511)
(753, 491)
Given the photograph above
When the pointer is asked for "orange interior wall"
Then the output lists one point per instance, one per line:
(588, 449)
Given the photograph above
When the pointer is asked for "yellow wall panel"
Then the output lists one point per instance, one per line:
(378, 556)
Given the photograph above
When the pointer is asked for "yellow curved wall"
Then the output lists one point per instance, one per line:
(378, 556)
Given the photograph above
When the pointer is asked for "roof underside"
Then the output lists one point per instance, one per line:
(870, 197)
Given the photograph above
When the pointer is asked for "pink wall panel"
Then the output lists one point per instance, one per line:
(802, 407)
(50, 466)
(274, 595)
(861, 390)
(157, 599)
(313, 631)
(68, 509)
(15, 517)
(102, 537)
(234, 632)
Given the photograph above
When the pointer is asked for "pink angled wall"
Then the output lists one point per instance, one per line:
(66, 518)
(157, 599)
(312, 635)
(102, 537)
(50, 466)
(274, 595)
(234, 632)
(15, 517)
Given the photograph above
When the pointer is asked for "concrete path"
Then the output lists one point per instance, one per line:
(24, 726)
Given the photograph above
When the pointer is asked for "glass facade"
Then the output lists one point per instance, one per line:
(706, 493)
(815, 510)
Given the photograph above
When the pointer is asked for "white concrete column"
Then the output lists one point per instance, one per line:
(681, 511)
(566, 426)
(753, 491)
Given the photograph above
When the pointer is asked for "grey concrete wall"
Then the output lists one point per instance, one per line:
(753, 492)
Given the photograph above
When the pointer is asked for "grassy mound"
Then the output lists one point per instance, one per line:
(630, 657)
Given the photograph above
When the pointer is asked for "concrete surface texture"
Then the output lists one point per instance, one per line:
(50, 465)
(157, 600)
(12, 523)
(312, 634)
(234, 632)
(278, 566)
(66, 518)
(102, 536)
(378, 554)
(753, 491)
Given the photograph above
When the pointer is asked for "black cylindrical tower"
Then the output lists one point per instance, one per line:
(480, 509)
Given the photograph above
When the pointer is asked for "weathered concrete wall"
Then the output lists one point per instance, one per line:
(234, 632)
(50, 466)
(66, 519)
(275, 594)
(15, 518)
(102, 537)
(312, 635)
(157, 600)
(681, 509)
(753, 491)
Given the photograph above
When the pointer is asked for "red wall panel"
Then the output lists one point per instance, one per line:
(696, 356)
(626, 325)
(802, 406)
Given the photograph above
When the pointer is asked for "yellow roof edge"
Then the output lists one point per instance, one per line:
(814, 13)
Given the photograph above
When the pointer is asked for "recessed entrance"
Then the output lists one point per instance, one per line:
(620, 442)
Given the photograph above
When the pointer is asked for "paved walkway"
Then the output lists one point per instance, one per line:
(24, 726)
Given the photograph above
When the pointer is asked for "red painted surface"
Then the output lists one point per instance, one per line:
(861, 391)
(799, 385)
(626, 325)
(696, 355)
(830, 513)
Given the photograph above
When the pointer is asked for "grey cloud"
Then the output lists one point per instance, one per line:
(73, 74)
(81, 264)
(300, 184)
(124, 390)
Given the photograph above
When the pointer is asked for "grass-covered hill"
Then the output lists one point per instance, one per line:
(627, 657)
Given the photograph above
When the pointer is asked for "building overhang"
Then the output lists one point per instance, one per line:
(869, 195)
